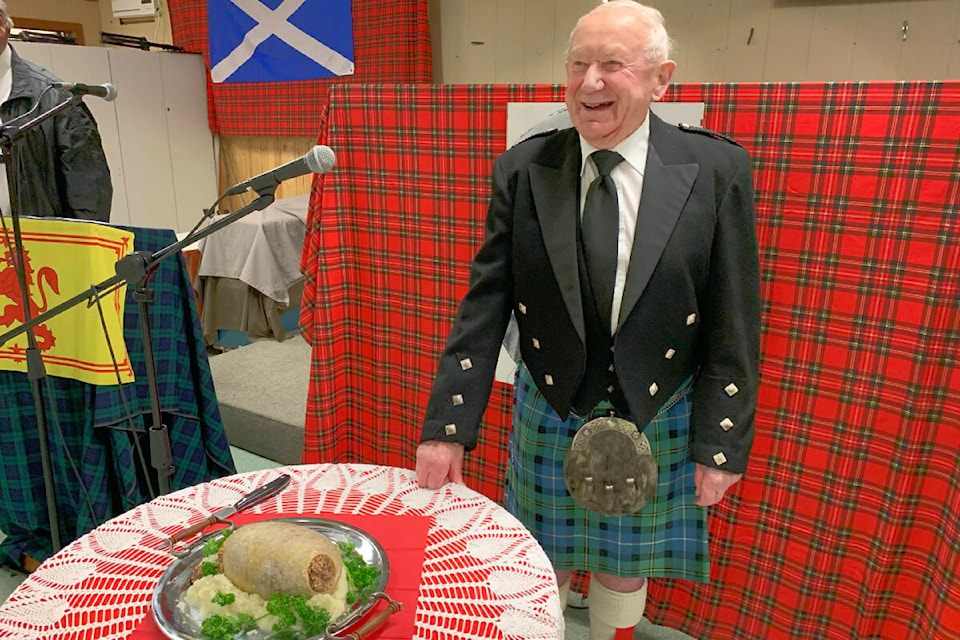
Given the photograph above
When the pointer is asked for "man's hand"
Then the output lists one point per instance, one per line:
(438, 463)
(711, 484)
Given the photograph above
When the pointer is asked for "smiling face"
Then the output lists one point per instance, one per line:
(610, 82)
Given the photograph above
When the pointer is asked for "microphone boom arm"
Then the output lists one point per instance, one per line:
(137, 266)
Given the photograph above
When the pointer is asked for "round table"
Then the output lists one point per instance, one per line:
(483, 575)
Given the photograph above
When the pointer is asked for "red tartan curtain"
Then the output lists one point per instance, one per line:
(387, 261)
(391, 44)
(846, 525)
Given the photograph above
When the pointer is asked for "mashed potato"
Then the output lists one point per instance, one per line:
(197, 601)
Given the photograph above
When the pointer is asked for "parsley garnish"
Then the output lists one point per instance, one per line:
(223, 599)
(289, 609)
(226, 627)
(363, 577)
(212, 546)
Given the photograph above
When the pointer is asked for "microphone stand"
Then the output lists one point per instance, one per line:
(36, 372)
(124, 40)
(137, 267)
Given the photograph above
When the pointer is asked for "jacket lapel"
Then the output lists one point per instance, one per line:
(556, 197)
(665, 191)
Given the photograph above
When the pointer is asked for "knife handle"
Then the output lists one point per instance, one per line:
(192, 531)
(374, 622)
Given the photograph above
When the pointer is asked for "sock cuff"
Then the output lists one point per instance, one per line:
(616, 609)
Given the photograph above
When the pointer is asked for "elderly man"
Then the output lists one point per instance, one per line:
(653, 316)
(61, 170)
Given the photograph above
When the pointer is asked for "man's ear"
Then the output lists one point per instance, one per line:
(664, 73)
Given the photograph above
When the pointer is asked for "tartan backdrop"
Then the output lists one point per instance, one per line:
(391, 44)
(846, 524)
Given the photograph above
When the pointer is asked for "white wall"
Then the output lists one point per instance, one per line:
(155, 134)
(522, 41)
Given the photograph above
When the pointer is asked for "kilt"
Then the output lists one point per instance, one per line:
(667, 538)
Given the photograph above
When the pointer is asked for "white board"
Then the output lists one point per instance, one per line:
(141, 118)
(185, 96)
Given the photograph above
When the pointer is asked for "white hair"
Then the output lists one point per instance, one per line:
(6, 14)
(659, 43)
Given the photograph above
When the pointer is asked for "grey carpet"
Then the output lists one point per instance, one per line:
(262, 392)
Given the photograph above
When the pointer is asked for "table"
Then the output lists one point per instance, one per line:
(249, 272)
(483, 574)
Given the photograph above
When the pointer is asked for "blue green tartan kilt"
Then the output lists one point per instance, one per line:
(667, 538)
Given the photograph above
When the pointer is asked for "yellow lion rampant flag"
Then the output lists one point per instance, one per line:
(63, 258)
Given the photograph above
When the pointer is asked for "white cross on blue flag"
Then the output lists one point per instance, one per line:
(279, 40)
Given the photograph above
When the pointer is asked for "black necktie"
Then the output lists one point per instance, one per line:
(600, 227)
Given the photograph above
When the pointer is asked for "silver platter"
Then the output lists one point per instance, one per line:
(176, 579)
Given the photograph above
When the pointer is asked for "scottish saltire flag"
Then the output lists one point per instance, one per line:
(279, 40)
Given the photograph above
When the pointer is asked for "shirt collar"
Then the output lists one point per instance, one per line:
(6, 58)
(633, 148)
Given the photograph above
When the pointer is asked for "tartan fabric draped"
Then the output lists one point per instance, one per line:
(388, 261)
(391, 44)
(98, 433)
(845, 525)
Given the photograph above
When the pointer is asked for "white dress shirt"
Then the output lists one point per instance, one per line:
(628, 176)
(6, 83)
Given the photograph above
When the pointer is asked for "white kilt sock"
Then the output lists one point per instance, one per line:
(612, 610)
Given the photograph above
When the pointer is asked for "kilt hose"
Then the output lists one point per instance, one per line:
(667, 538)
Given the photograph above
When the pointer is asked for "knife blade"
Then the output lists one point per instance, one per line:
(257, 495)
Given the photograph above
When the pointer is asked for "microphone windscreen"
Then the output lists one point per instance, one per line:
(320, 159)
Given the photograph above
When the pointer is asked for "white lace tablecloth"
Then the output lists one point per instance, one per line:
(100, 586)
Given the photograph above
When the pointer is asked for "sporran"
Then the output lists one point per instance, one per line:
(609, 468)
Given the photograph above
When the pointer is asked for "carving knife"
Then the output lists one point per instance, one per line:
(220, 515)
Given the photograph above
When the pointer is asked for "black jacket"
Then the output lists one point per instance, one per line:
(60, 165)
(690, 307)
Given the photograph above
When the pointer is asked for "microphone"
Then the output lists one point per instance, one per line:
(320, 159)
(106, 91)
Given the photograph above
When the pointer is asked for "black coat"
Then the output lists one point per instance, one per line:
(61, 168)
(690, 306)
